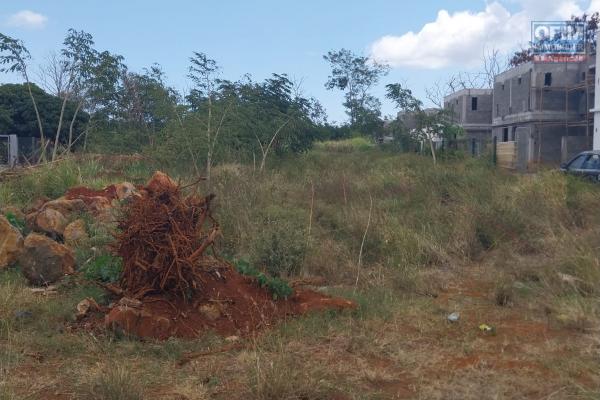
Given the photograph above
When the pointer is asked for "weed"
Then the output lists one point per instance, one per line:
(504, 295)
(284, 378)
(115, 383)
(277, 287)
(280, 245)
(16, 222)
(104, 268)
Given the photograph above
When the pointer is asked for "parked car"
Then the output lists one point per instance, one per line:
(586, 165)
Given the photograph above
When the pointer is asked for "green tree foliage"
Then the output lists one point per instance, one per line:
(428, 124)
(78, 60)
(356, 75)
(249, 120)
(17, 115)
(14, 57)
(101, 103)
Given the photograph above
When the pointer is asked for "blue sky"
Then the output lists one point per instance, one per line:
(265, 36)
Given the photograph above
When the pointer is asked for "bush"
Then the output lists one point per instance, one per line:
(277, 287)
(359, 143)
(280, 244)
(104, 268)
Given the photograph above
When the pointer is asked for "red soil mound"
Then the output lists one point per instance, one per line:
(174, 288)
(88, 195)
(229, 304)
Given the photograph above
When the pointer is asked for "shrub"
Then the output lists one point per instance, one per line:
(359, 143)
(277, 287)
(280, 243)
(104, 268)
(115, 384)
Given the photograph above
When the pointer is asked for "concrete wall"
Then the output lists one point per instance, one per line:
(460, 103)
(535, 142)
(573, 145)
(483, 114)
(520, 89)
(522, 100)
(480, 134)
(512, 94)
(456, 106)
(548, 144)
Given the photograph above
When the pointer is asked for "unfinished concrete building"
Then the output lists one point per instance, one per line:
(542, 112)
(544, 109)
(472, 110)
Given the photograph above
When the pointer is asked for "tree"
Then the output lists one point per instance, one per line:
(53, 74)
(204, 72)
(14, 56)
(355, 75)
(100, 95)
(147, 103)
(18, 114)
(429, 124)
(492, 64)
(520, 57)
(79, 58)
(256, 119)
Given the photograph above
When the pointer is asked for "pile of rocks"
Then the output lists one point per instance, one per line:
(54, 228)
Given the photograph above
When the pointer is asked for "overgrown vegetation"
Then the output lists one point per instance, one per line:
(532, 241)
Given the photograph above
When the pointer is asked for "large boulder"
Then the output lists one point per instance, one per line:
(36, 205)
(65, 206)
(138, 321)
(11, 243)
(125, 190)
(50, 221)
(75, 233)
(45, 261)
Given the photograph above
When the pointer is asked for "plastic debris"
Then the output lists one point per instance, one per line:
(486, 328)
(454, 317)
(23, 314)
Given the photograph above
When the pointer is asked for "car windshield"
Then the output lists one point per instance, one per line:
(578, 162)
(593, 162)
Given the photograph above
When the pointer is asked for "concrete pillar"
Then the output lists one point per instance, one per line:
(13, 150)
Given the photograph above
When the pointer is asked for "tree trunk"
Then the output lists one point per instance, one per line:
(266, 151)
(432, 150)
(60, 122)
(39, 121)
(72, 124)
(208, 136)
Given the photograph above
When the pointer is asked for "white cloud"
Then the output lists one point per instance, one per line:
(462, 37)
(27, 19)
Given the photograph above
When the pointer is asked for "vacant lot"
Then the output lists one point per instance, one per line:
(515, 255)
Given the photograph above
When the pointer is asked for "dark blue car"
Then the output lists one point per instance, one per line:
(586, 165)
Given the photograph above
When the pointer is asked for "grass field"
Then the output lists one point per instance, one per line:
(408, 242)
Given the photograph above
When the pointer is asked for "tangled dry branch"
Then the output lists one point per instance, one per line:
(163, 238)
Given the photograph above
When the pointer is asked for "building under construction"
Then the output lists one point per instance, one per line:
(541, 112)
(545, 110)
